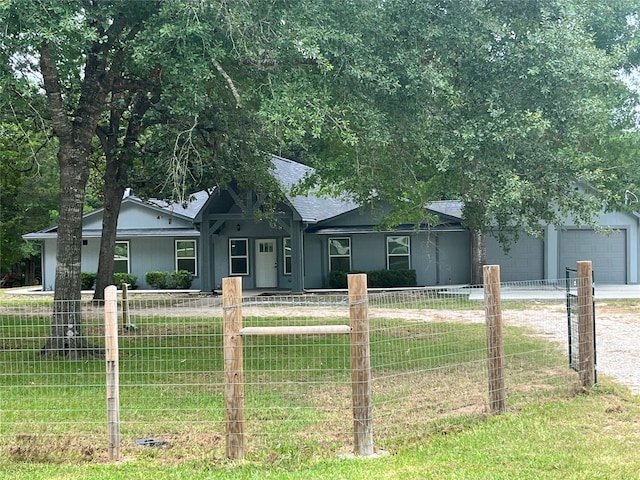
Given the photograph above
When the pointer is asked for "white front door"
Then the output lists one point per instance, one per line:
(266, 264)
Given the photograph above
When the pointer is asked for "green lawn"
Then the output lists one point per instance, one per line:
(594, 436)
(429, 398)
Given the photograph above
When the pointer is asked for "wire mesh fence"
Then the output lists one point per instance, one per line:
(428, 356)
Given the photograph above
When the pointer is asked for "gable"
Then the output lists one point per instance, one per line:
(312, 207)
(364, 220)
(137, 215)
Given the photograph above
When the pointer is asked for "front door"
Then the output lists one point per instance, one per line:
(266, 263)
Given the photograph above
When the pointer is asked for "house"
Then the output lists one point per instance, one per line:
(216, 235)
(152, 235)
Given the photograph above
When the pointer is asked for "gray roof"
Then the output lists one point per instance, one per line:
(452, 208)
(121, 233)
(190, 209)
(312, 207)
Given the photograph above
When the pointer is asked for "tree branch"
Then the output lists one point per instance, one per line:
(51, 81)
(229, 80)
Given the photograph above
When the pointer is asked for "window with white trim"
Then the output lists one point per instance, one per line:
(398, 252)
(121, 258)
(286, 249)
(340, 254)
(239, 256)
(186, 256)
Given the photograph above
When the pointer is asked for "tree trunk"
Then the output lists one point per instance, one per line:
(478, 256)
(113, 193)
(119, 160)
(75, 133)
(66, 335)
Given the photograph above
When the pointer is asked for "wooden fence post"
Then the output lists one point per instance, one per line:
(125, 305)
(113, 382)
(360, 365)
(586, 345)
(233, 372)
(495, 341)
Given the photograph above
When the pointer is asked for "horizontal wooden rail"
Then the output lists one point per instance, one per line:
(296, 330)
(358, 331)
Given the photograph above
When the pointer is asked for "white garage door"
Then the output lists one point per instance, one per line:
(608, 253)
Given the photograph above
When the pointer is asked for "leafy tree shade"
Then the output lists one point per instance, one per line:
(397, 101)
(150, 79)
(186, 120)
(537, 100)
(509, 106)
(28, 177)
(79, 50)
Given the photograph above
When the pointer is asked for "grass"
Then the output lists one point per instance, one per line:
(429, 406)
(592, 436)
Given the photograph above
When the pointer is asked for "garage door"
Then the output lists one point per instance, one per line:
(608, 253)
(523, 261)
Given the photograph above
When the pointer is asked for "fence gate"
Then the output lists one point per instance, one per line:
(573, 336)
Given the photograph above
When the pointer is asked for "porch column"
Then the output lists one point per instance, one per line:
(297, 258)
(205, 256)
(551, 254)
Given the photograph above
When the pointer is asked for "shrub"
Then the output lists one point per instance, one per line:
(377, 278)
(160, 280)
(129, 279)
(88, 280)
(392, 278)
(181, 279)
(156, 280)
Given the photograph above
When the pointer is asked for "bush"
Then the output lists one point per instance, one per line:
(181, 279)
(392, 278)
(377, 278)
(88, 280)
(129, 279)
(337, 279)
(156, 280)
(160, 280)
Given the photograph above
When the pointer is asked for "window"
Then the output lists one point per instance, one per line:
(121, 258)
(340, 254)
(286, 248)
(398, 253)
(238, 256)
(186, 256)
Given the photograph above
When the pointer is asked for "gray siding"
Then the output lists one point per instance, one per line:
(423, 258)
(48, 264)
(244, 229)
(438, 257)
(145, 255)
(154, 254)
(453, 258)
(136, 215)
(315, 261)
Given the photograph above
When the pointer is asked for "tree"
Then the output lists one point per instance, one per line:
(77, 49)
(28, 177)
(181, 135)
(127, 71)
(536, 95)
(507, 106)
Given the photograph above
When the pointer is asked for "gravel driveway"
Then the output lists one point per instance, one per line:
(617, 345)
(617, 330)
